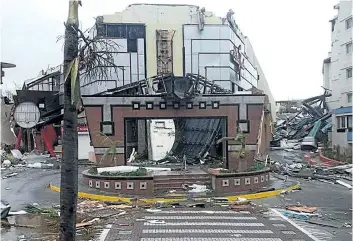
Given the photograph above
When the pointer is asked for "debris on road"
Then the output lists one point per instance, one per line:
(88, 223)
(196, 205)
(120, 206)
(302, 209)
(20, 212)
(329, 223)
(300, 216)
(5, 209)
(344, 184)
(239, 207)
(34, 209)
(6, 163)
(88, 205)
(241, 201)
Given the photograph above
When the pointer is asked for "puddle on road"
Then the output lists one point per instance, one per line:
(34, 227)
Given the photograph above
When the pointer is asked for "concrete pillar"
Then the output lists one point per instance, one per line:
(141, 136)
(148, 137)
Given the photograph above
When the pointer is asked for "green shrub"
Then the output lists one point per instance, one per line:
(139, 172)
(93, 170)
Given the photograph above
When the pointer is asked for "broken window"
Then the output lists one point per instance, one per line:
(116, 30)
(132, 45)
(101, 30)
(341, 122)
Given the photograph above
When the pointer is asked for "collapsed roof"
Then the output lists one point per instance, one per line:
(195, 136)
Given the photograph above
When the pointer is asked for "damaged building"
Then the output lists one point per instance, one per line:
(185, 79)
(204, 64)
(337, 75)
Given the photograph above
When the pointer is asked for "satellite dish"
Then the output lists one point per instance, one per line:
(27, 115)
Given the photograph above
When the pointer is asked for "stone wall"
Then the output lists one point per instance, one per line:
(137, 186)
(233, 183)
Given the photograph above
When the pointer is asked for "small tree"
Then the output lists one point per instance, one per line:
(239, 138)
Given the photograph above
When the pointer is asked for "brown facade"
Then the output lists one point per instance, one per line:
(137, 186)
(233, 183)
(238, 183)
(246, 109)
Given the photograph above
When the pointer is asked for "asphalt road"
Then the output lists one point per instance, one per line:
(334, 202)
(29, 186)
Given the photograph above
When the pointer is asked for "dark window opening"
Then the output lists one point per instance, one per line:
(116, 31)
(132, 45)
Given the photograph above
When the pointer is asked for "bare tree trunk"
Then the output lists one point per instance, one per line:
(69, 165)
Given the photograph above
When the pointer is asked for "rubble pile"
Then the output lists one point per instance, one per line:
(299, 169)
(313, 119)
(14, 162)
(312, 215)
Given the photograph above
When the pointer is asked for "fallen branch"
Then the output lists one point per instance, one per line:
(85, 224)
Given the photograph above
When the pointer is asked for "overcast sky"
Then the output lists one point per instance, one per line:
(290, 37)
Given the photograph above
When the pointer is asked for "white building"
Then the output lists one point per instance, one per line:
(182, 39)
(157, 38)
(337, 75)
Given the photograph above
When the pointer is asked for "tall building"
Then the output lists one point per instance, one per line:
(163, 38)
(337, 75)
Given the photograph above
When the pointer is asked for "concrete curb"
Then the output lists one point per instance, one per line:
(100, 197)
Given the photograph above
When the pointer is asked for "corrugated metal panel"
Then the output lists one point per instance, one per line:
(197, 137)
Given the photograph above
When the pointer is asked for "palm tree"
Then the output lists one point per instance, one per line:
(69, 165)
(80, 53)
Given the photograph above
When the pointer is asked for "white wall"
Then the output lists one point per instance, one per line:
(334, 71)
(162, 136)
(262, 82)
(84, 145)
(207, 53)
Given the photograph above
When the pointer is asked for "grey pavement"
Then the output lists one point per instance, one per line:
(29, 186)
(209, 225)
(334, 202)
